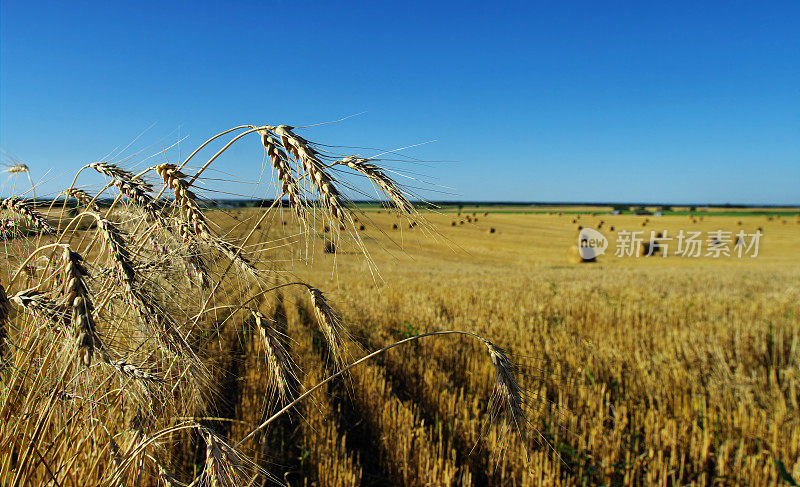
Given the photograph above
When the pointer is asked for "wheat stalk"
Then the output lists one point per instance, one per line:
(5, 306)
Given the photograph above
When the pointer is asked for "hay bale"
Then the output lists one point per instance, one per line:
(284, 223)
(574, 220)
(611, 228)
(574, 256)
(644, 223)
(394, 226)
(739, 223)
(485, 213)
(491, 230)
(452, 224)
(361, 227)
(649, 249)
(461, 222)
(329, 247)
(579, 227)
(600, 225)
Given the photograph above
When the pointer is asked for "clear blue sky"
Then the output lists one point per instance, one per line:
(535, 101)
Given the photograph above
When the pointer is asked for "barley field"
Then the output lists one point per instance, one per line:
(151, 340)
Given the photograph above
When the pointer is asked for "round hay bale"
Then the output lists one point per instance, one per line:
(574, 256)
(574, 220)
(491, 230)
(394, 226)
(284, 223)
(461, 222)
(649, 249)
(452, 224)
(644, 223)
(485, 213)
(611, 228)
(329, 247)
(600, 225)
(361, 227)
(760, 229)
(475, 220)
(739, 223)
(579, 227)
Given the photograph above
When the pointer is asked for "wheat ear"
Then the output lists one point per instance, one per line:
(388, 185)
(302, 151)
(285, 173)
(135, 189)
(82, 197)
(329, 323)
(26, 210)
(38, 305)
(79, 300)
(508, 396)
(195, 219)
(279, 362)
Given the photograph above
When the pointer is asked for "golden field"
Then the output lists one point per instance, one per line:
(638, 370)
(648, 370)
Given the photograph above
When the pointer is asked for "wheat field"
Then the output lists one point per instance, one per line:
(151, 340)
(656, 371)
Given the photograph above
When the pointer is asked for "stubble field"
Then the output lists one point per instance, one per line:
(643, 370)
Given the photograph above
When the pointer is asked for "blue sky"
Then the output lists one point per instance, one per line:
(533, 101)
